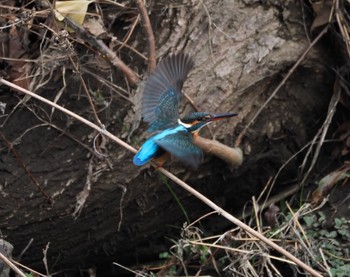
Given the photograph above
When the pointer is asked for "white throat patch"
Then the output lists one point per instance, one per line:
(184, 124)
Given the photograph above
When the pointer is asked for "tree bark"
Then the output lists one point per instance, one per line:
(242, 52)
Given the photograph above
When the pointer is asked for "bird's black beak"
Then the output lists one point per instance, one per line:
(220, 116)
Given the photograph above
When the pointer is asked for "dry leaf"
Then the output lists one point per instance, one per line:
(75, 10)
(271, 215)
(327, 183)
(323, 11)
(95, 26)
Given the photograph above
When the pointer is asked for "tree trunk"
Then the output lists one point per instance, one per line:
(242, 51)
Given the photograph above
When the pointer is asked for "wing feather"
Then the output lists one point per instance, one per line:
(162, 92)
(181, 146)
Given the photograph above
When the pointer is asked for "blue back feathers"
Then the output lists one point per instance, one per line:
(160, 108)
(177, 141)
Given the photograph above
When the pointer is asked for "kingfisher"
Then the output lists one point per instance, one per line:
(160, 108)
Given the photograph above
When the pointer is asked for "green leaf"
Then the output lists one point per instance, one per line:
(309, 220)
(332, 234)
(164, 255)
(338, 222)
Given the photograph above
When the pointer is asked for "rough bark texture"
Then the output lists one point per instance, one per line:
(242, 51)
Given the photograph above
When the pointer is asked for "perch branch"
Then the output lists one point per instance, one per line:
(150, 36)
(239, 223)
(290, 72)
(171, 176)
(70, 113)
(232, 156)
(104, 50)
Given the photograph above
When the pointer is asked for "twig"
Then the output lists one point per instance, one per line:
(209, 31)
(104, 50)
(29, 269)
(171, 176)
(10, 264)
(68, 112)
(150, 36)
(325, 262)
(201, 218)
(130, 270)
(124, 189)
(131, 48)
(45, 259)
(25, 249)
(304, 241)
(128, 35)
(290, 72)
(84, 194)
(189, 99)
(239, 223)
(21, 163)
(117, 89)
(322, 133)
(342, 26)
(86, 90)
(234, 249)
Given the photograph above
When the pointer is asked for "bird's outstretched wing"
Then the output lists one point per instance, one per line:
(162, 92)
(180, 145)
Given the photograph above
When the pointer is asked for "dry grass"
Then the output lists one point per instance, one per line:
(237, 253)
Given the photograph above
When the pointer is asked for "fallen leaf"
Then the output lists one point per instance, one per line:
(75, 10)
(271, 215)
(95, 26)
(323, 11)
(327, 183)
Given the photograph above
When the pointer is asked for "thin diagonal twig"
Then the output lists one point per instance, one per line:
(171, 176)
(321, 134)
(10, 264)
(86, 90)
(21, 163)
(290, 72)
(150, 36)
(104, 50)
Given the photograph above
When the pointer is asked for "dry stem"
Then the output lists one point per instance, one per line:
(290, 72)
(150, 36)
(171, 176)
(10, 264)
(104, 50)
(21, 163)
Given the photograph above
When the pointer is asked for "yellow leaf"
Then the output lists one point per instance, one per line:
(75, 10)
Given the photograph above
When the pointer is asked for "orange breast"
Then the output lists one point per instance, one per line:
(162, 159)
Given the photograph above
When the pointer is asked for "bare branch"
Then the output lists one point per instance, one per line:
(104, 50)
(178, 181)
(22, 164)
(10, 264)
(150, 36)
(290, 72)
